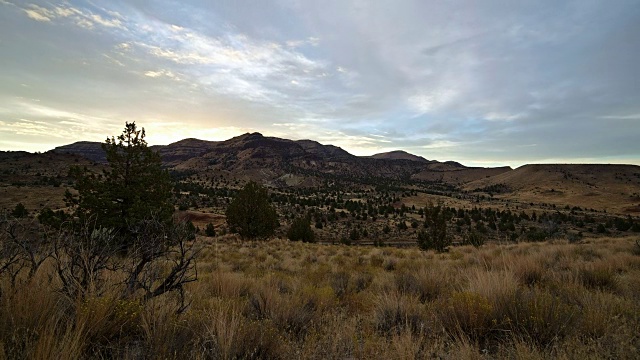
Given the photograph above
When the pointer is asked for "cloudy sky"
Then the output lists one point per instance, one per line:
(480, 82)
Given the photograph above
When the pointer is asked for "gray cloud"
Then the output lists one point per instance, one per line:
(482, 83)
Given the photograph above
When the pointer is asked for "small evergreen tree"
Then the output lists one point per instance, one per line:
(210, 230)
(300, 230)
(354, 235)
(250, 214)
(132, 189)
(435, 236)
(20, 211)
(55, 219)
(474, 238)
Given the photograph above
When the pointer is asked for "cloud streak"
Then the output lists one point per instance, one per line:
(456, 80)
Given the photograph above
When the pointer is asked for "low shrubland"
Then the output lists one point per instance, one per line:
(283, 299)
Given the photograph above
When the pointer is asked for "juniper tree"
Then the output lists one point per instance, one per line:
(133, 188)
(250, 214)
(435, 235)
(300, 230)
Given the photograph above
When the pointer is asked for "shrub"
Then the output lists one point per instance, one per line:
(19, 211)
(354, 235)
(300, 230)
(340, 283)
(51, 218)
(426, 285)
(600, 278)
(474, 238)
(394, 313)
(210, 230)
(250, 214)
(535, 235)
(467, 313)
(538, 316)
(435, 236)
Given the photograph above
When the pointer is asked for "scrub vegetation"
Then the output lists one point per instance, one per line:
(284, 299)
(147, 263)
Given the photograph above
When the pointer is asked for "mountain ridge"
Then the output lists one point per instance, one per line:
(281, 163)
(399, 154)
(253, 156)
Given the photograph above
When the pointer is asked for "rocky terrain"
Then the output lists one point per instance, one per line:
(306, 164)
(269, 159)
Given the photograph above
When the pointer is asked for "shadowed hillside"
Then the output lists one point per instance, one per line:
(399, 154)
(283, 162)
(306, 163)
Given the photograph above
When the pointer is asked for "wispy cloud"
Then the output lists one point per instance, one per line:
(38, 13)
(82, 18)
(447, 80)
(235, 64)
(161, 73)
(622, 117)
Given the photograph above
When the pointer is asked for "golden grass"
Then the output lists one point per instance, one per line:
(280, 299)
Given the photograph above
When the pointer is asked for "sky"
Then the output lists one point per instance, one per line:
(485, 83)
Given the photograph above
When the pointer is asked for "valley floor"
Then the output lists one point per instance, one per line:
(282, 299)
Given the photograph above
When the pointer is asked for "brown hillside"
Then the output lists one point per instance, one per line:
(177, 152)
(615, 188)
(283, 162)
(400, 155)
(36, 180)
(451, 174)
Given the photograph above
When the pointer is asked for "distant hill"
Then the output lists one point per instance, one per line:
(400, 155)
(326, 151)
(171, 154)
(35, 179)
(91, 150)
(599, 186)
(277, 161)
(177, 152)
(452, 174)
(281, 162)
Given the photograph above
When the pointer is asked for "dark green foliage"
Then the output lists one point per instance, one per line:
(435, 236)
(20, 211)
(191, 230)
(55, 219)
(250, 214)
(535, 235)
(354, 235)
(134, 188)
(300, 230)
(210, 230)
(474, 238)
(623, 224)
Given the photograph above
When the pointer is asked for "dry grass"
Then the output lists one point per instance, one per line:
(279, 299)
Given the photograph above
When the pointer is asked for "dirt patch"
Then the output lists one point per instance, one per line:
(199, 218)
